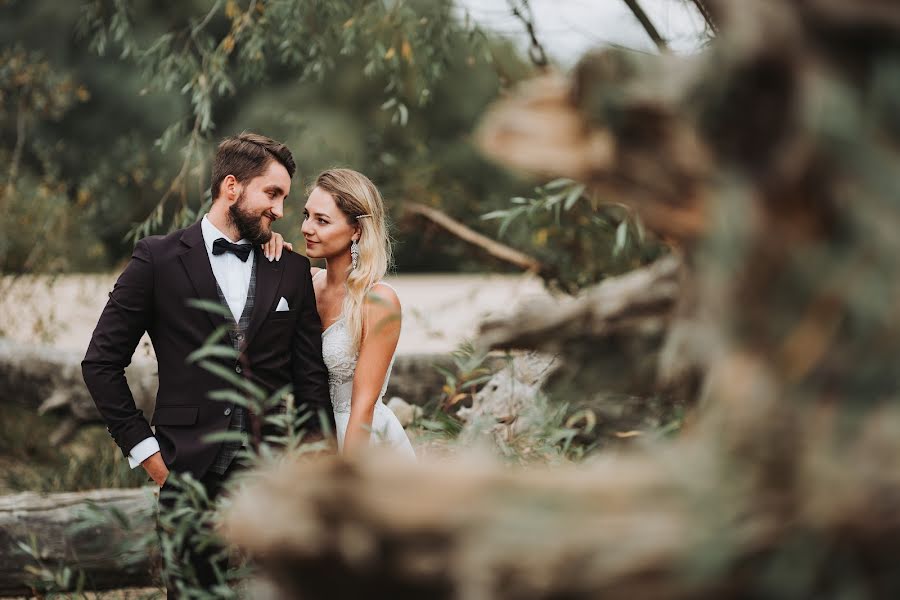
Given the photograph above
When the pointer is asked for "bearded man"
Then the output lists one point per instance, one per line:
(274, 328)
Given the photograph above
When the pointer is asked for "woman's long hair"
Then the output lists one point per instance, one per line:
(358, 198)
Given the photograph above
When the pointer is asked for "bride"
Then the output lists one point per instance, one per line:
(344, 223)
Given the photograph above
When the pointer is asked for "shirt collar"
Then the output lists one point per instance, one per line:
(211, 233)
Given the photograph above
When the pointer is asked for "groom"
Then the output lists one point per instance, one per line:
(272, 323)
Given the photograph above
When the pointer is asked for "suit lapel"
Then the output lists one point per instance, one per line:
(196, 263)
(268, 278)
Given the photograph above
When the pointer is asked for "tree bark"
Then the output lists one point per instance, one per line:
(674, 525)
(51, 520)
(48, 379)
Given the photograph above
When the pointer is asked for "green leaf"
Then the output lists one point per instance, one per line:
(572, 197)
(495, 214)
(210, 306)
(279, 394)
(234, 379)
(621, 237)
(228, 396)
(504, 225)
(450, 377)
(212, 351)
(225, 436)
(475, 382)
(557, 184)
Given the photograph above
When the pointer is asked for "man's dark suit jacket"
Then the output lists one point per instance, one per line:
(152, 295)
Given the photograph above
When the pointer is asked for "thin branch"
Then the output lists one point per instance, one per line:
(707, 16)
(492, 247)
(536, 51)
(21, 116)
(202, 24)
(178, 185)
(647, 24)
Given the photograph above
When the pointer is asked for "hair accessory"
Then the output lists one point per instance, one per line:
(358, 217)
(354, 254)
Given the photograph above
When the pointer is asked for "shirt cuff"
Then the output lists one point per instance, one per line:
(142, 452)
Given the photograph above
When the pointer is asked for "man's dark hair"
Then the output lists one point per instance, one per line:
(247, 156)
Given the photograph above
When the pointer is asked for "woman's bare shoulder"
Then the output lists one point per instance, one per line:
(384, 296)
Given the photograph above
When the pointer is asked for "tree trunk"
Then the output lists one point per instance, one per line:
(675, 525)
(57, 524)
(48, 379)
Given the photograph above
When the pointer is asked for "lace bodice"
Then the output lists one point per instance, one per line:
(341, 363)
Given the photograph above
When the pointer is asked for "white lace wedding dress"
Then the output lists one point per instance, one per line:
(341, 363)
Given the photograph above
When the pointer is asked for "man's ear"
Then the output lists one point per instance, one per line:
(231, 188)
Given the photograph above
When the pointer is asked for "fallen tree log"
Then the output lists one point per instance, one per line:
(48, 379)
(632, 349)
(671, 525)
(84, 531)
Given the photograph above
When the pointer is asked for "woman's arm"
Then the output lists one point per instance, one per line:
(381, 332)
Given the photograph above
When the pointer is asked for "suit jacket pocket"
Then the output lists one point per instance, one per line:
(279, 315)
(175, 415)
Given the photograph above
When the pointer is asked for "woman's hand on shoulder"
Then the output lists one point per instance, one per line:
(275, 246)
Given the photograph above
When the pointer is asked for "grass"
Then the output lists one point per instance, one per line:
(29, 463)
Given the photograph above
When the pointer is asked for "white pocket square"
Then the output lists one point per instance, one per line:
(282, 305)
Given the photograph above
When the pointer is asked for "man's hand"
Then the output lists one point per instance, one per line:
(156, 468)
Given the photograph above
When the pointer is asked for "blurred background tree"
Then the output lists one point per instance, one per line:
(143, 91)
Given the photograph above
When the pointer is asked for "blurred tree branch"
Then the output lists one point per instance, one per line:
(647, 24)
(21, 115)
(492, 247)
(521, 10)
(704, 11)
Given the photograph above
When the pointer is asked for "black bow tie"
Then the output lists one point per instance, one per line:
(242, 251)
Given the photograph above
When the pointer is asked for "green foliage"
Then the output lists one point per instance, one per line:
(31, 89)
(90, 461)
(53, 581)
(23, 435)
(342, 83)
(45, 233)
(48, 580)
(33, 201)
(469, 373)
(405, 48)
(578, 236)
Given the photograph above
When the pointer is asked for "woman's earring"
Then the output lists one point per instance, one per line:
(354, 254)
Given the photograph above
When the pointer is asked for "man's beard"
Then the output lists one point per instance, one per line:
(249, 226)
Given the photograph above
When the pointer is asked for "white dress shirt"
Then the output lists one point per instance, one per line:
(233, 276)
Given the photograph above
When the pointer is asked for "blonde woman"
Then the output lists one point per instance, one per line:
(344, 223)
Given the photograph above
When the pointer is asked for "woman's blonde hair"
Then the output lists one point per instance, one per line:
(358, 198)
